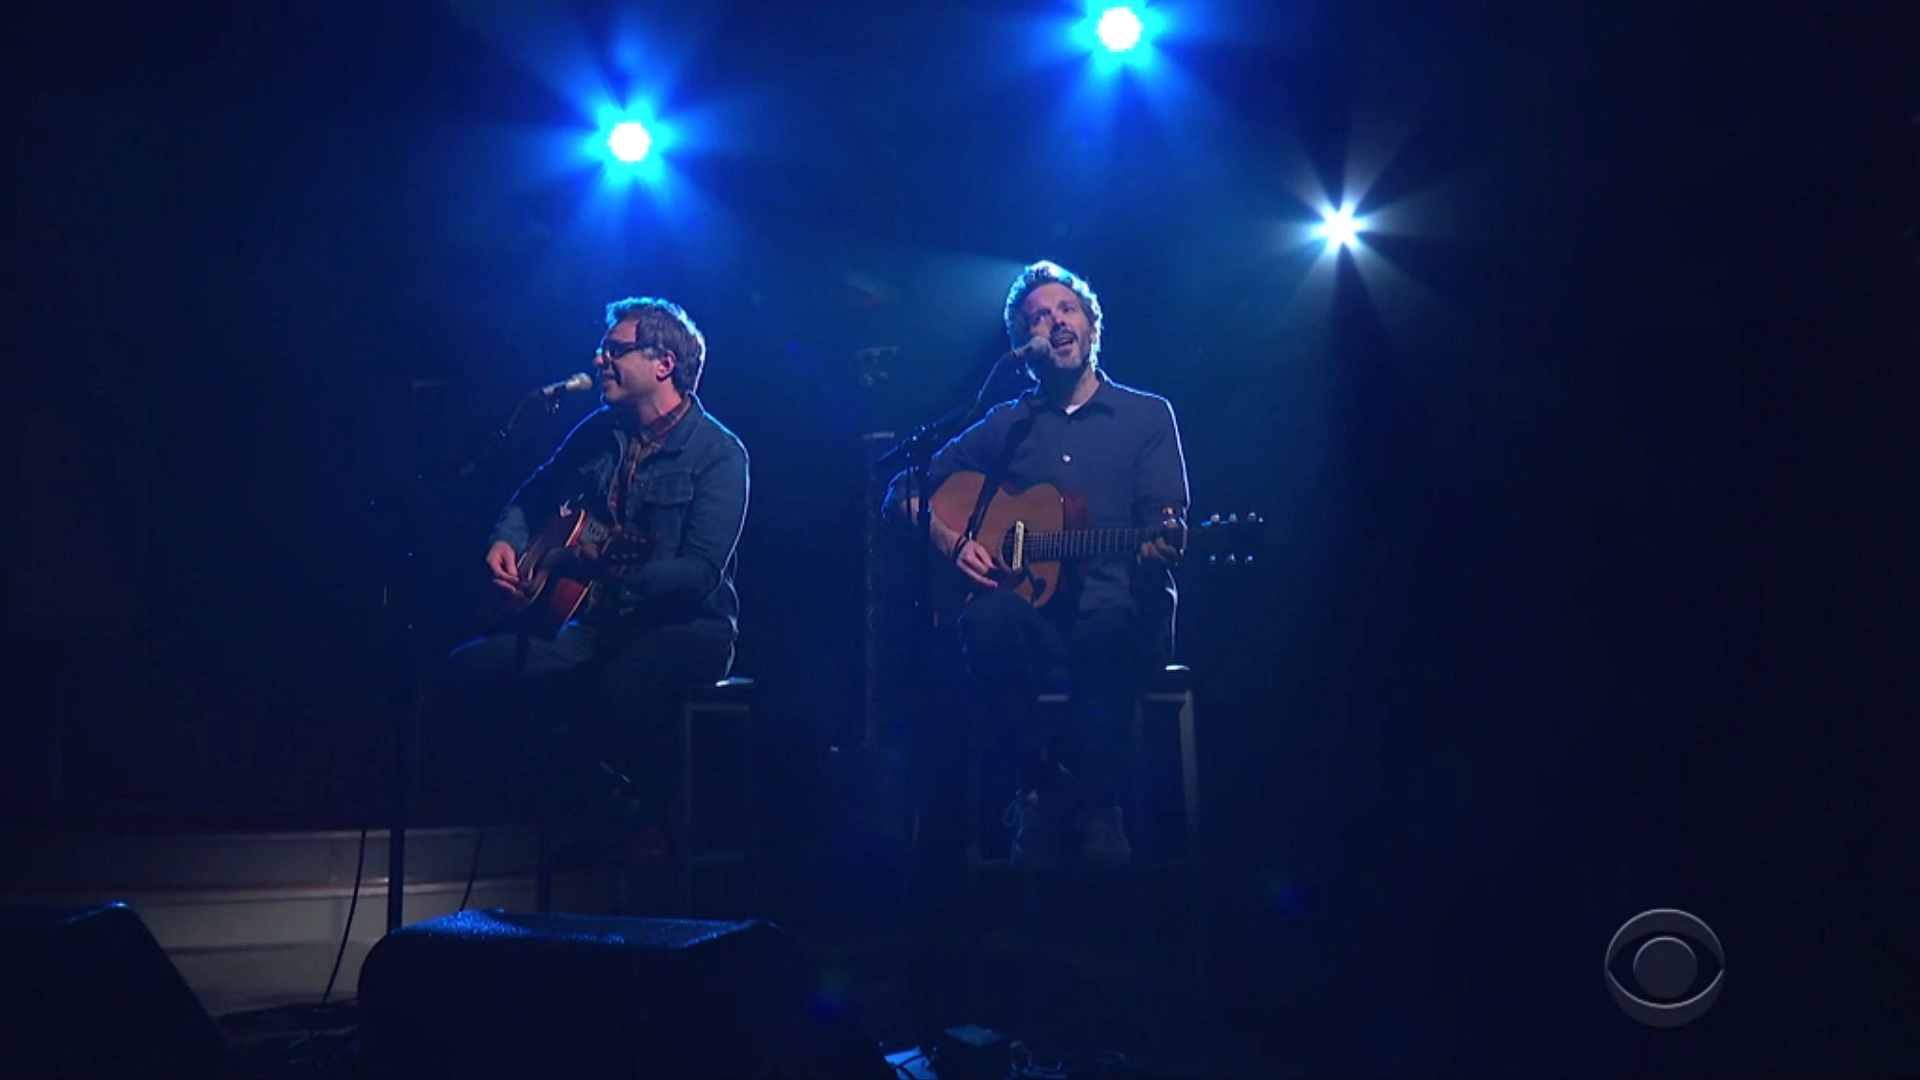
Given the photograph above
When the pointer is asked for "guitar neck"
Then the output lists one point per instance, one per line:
(1085, 543)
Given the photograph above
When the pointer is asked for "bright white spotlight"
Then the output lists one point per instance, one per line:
(1339, 229)
(1119, 29)
(629, 141)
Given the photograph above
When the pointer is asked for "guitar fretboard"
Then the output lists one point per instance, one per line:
(1081, 543)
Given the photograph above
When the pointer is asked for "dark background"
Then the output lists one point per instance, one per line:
(1591, 562)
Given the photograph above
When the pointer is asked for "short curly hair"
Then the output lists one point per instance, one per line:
(663, 324)
(1047, 272)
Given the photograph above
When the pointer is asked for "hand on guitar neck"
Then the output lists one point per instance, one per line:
(1166, 548)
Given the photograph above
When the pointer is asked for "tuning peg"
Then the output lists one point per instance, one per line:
(1213, 558)
(1232, 518)
(1214, 520)
(1233, 558)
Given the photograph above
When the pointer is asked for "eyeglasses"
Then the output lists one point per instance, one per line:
(614, 350)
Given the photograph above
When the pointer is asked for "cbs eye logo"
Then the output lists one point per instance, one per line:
(1659, 952)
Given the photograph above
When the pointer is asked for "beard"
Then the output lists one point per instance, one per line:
(1059, 363)
(1053, 371)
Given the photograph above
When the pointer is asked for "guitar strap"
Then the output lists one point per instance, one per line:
(992, 484)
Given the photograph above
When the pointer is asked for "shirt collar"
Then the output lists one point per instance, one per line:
(1102, 397)
(662, 428)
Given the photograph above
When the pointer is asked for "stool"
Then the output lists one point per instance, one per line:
(730, 697)
(1171, 685)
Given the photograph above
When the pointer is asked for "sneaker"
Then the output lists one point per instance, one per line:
(1103, 839)
(1036, 833)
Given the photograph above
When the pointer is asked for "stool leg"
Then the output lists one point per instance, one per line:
(545, 796)
(750, 827)
(1196, 879)
(1033, 976)
(548, 793)
(1142, 829)
(975, 963)
(688, 821)
(682, 830)
(1190, 776)
(543, 871)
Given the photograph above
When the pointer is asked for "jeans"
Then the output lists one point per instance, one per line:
(518, 701)
(1013, 650)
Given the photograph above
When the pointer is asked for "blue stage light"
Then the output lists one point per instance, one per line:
(1339, 228)
(629, 141)
(1119, 29)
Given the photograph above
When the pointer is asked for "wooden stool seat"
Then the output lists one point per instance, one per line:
(1164, 685)
(733, 690)
(1174, 680)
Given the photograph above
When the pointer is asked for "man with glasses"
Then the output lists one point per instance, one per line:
(669, 484)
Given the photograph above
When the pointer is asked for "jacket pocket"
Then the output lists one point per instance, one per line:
(667, 489)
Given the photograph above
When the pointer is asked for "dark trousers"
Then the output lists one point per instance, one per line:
(538, 709)
(1011, 650)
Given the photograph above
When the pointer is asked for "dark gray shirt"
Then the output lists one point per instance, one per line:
(1119, 452)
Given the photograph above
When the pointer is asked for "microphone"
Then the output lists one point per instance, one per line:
(1035, 348)
(579, 380)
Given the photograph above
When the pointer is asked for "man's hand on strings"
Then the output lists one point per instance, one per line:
(504, 565)
(977, 563)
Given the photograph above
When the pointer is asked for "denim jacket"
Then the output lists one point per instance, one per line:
(690, 495)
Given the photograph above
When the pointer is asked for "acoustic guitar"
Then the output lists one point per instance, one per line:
(1035, 532)
(552, 591)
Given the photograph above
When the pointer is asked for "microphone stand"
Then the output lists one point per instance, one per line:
(412, 684)
(913, 453)
(549, 399)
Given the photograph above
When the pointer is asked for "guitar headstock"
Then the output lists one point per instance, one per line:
(1235, 538)
(627, 549)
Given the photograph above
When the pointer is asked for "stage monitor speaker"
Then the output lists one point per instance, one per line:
(88, 992)
(494, 993)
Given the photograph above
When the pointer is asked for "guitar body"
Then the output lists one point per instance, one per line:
(1014, 512)
(550, 595)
